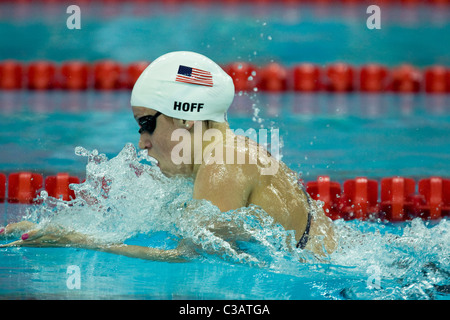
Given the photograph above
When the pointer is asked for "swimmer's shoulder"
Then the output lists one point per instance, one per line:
(227, 186)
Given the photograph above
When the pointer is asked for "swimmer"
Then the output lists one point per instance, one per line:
(184, 96)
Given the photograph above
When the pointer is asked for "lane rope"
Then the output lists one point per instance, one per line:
(390, 199)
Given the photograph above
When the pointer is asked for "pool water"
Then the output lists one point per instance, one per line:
(33, 273)
(340, 135)
(128, 32)
(375, 260)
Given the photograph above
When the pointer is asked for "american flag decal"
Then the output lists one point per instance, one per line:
(194, 76)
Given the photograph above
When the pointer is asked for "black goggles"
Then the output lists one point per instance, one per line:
(148, 123)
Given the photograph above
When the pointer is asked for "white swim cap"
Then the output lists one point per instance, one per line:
(185, 85)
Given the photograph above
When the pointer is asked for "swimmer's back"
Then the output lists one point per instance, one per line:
(232, 186)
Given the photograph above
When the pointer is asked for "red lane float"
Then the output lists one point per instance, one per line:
(306, 77)
(23, 187)
(396, 198)
(58, 186)
(328, 192)
(436, 192)
(437, 80)
(398, 201)
(107, 75)
(243, 75)
(11, 75)
(406, 79)
(2, 187)
(273, 78)
(373, 78)
(41, 75)
(359, 198)
(339, 77)
(75, 75)
(133, 71)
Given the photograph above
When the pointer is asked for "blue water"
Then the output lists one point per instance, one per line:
(34, 273)
(259, 34)
(374, 260)
(342, 136)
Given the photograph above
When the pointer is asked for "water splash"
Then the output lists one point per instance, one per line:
(407, 261)
(127, 197)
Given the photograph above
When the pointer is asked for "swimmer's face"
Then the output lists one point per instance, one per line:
(159, 144)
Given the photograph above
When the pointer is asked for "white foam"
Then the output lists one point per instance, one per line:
(127, 196)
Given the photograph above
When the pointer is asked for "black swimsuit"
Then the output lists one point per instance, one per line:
(304, 239)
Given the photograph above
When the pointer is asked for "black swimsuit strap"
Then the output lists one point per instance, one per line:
(304, 239)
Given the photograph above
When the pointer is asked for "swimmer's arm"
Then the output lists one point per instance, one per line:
(228, 187)
(55, 237)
